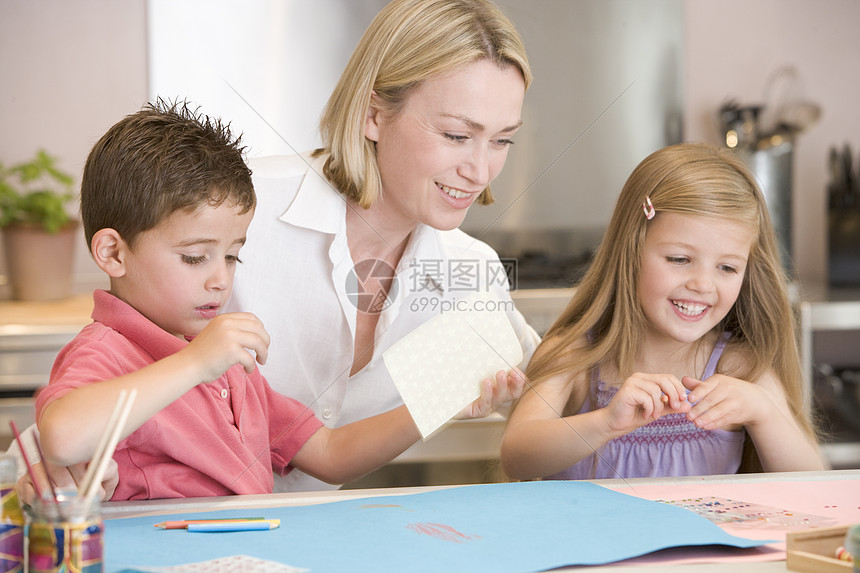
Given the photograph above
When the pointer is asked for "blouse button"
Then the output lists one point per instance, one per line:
(224, 393)
(326, 413)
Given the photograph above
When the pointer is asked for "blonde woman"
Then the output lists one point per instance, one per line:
(356, 244)
(679, 344)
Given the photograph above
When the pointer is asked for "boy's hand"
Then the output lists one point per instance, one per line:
(68, 478)
(495, 392)
(644, 398)
(228, 339)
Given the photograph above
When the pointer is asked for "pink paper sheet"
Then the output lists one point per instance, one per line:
(832, 502)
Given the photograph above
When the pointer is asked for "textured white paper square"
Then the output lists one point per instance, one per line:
(232, 564)
(439, 366)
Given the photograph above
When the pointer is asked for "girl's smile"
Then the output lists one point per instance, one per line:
(692, 272)
(690, 310)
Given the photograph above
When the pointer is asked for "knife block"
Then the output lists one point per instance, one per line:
(844, 247)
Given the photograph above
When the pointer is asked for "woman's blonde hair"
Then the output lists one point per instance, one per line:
(408, 42)
(691, 179)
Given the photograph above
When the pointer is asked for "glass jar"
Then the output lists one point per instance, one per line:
(11, 519)
(852, 544)
(66, 535)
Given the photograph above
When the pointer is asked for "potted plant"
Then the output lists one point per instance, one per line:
(38, 233)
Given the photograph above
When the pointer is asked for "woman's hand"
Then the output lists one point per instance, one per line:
(644, 398)
(506, 387)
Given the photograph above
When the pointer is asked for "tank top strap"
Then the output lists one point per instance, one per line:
(716, 353)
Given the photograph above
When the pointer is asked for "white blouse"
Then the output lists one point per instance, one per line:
(298, 277)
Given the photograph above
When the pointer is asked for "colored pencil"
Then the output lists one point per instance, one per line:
(45, 466)
(258, 525)
(183, 523)
(36, 485)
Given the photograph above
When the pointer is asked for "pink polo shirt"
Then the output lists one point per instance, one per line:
(221, 438)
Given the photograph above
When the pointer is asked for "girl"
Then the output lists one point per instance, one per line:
(679, 343)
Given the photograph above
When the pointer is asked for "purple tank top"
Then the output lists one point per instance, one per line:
(670, 446)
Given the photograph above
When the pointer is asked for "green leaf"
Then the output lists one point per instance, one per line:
(35, 192)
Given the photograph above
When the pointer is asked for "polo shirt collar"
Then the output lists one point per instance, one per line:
(115, 313)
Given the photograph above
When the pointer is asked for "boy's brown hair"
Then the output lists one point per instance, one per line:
(164, 158)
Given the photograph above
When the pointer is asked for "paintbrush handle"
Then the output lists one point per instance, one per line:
(107, 455)
(103, 440)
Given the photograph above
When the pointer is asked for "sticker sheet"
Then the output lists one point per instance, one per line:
(722, 510)
(439, 366)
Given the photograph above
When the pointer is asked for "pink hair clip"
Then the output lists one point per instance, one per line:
(648, 207)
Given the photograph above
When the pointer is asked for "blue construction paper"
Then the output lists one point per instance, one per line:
(511, 527)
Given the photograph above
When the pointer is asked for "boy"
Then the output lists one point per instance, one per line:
(166, 200)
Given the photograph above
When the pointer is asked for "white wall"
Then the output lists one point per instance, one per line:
(732, 49)
(607, 80)
(71, 69)
(270, 76)
(606, 93)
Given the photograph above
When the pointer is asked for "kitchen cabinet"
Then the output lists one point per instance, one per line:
(31, 335)
(830, 339)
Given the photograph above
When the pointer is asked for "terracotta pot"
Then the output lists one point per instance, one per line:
(40, 264)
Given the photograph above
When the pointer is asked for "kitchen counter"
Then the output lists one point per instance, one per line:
(73, 311)
(32, 333)
(76, 310)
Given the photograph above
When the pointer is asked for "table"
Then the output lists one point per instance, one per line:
(765, 484)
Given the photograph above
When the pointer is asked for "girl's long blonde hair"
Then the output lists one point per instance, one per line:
(691, 179)
(408, 42)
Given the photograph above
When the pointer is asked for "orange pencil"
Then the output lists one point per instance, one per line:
(183, 524)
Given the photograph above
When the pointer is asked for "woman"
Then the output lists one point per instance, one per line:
(356, 244)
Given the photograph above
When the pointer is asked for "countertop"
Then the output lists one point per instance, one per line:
(75, 311)
(72, 311)
(44, 327)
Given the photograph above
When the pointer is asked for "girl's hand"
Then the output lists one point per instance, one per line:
(761, 408)
(505, 387)
(642, 399)
(722, 401)
(228, 339)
